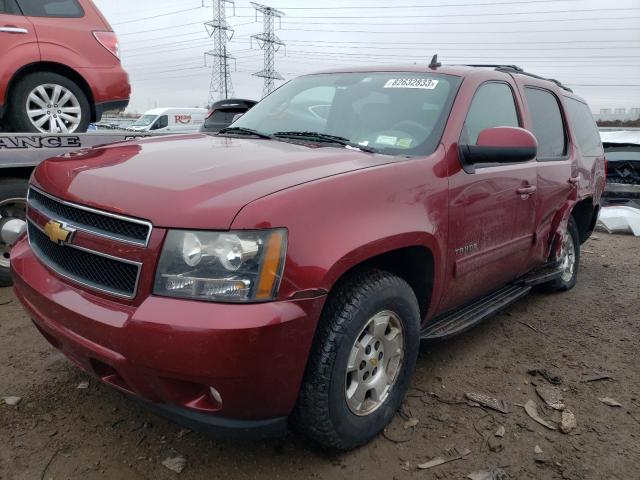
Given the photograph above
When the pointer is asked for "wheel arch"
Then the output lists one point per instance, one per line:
(412, 260)
(585, 214)
(60, 69)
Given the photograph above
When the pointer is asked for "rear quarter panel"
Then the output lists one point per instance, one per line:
(70, 41)
(338, 222)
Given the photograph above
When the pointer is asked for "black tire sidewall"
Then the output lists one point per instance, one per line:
(18, 118)
(356, 430)
(11, 188)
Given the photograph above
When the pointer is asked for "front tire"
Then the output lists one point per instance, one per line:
(46, 102)
(361, 363)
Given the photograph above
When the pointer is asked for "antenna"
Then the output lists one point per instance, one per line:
(434, 62)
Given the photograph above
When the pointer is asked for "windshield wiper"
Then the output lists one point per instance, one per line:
(247, 131)
(324, 137)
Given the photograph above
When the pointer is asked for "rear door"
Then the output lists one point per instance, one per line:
(18, 43)
(557, 168)
(65, 32)
(491, 222)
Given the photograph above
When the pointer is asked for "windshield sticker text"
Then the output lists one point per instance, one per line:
(386, 140)
(424, 83)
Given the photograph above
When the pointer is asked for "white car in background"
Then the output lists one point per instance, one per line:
(178, 120)
(621, 210)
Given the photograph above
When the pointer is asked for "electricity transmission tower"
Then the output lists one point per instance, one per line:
(218, 29)
(270, 43)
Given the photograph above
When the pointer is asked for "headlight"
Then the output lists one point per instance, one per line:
(241, 266)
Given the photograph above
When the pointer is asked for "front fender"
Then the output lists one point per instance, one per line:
(338, 222)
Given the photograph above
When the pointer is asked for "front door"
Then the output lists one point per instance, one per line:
(492, 207)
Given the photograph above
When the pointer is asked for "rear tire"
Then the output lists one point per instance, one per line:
(70, 111)
(357, 355)
(570, 258)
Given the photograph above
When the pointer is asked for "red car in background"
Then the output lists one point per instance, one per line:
(59, 66)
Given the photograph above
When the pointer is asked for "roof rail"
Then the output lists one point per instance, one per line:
(497, 66)
(516, 69)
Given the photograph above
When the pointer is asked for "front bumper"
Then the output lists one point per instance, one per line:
(170, 352)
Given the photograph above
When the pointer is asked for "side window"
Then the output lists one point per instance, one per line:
(548, 126)
(492, 106)
(584, 128)
(9, 7)
(51, 8)
(161, 122)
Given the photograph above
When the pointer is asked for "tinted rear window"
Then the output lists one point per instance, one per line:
(224, 116)
(584, 128)
(51, 8)
(547, 122)
(9, 7)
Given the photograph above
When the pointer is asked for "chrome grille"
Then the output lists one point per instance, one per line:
(92, 269)
(103, 224)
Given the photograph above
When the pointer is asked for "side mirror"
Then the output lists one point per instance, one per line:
(501, 145)
(236, 117)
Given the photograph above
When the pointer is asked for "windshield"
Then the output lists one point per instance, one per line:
(395, 113)
(145, 120)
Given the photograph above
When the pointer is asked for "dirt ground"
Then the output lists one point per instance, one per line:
(61, 432)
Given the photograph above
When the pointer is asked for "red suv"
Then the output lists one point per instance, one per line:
(59, 66)
(288, 267)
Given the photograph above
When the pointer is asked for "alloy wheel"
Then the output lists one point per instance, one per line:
(568, 258)
(374, 363)
(53, 108)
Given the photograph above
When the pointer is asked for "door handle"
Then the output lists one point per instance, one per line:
(11, 29)
(528, 190)
(574, 180)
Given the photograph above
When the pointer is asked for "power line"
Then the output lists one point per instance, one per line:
(157, 16)
(490, 14)
(542, 42)
(376, 46)
(426, 6)
(481, 57)
(173, 27)
(493, 22)
(564, 30)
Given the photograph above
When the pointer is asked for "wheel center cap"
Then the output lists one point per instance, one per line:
(373, 362)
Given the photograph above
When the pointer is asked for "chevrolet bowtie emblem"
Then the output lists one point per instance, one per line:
(58, 232)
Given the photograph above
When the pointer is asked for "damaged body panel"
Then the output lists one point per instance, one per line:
(623, 172)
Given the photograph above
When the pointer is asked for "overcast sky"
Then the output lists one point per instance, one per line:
(590, 45)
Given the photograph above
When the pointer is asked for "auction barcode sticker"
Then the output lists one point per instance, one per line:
(424, 83)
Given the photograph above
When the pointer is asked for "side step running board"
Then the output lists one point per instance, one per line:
(463, 318)
(546, 273)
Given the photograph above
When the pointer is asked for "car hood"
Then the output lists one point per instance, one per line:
(191, 181)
